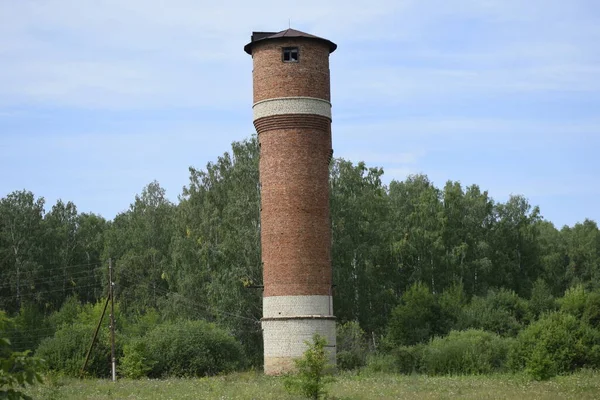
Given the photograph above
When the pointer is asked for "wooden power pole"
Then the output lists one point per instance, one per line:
(112, 321)
(87, 356)
(112, 327)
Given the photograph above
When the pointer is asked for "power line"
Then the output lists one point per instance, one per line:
(71, 266)
(204, 307)
(52, 279)
(49, 291)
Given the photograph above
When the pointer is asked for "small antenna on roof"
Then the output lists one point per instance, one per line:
(289, 23)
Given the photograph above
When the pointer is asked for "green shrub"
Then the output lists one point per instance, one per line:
(403, 360)
(591, 312)
(416, 319)
(68, 313)
(555, 344)
(501, 311)
(452, 303)
(313, 371)
(381, 362)
(29, 328)
(135, 364)
(465, 352)
(17, 370)
(65, 351)
(573, 302)
(351, 346)
(408, 359)
(541, 300)
(190, 348)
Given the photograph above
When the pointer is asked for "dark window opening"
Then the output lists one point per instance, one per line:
(290, 54)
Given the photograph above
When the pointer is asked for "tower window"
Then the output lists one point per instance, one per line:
(290, 54)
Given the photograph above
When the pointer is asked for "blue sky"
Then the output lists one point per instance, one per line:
(98, 98)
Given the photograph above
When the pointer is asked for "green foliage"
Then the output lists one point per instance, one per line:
(591, 313)
(65, 351)
(555, 344)
(28, 327)
(459, 353)
(402, 360)
(573, 302)
(134, 364)
(196, 260)
(215, 248)
(362, 245)
(351, 345)
(452, 302)
(313, 371)
(501, 311)
(582, 243)
(17, 370)
(416, 319)
(541, 300)
(465, 352)
(187, 348)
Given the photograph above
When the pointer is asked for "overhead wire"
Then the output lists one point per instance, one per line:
(52, 279)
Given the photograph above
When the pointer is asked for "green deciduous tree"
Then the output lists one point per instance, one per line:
(313, 371)
(365, 278)
(416, 319)
(17, 370)
(21, 235)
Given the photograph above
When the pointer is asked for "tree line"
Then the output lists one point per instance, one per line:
(200, 259)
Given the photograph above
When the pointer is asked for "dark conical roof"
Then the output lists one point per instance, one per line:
(286, 34)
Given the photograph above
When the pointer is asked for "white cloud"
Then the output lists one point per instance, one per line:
(153, 54)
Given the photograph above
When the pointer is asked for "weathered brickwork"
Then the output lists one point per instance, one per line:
(294, 121)
(292, 116)
(307, 78)
(295, 225)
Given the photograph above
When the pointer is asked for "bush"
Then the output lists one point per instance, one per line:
(452, 303)
(381, 362)
(416, 319)
(573, 302)
(313, 371)
(591, 312)
(465, 352)
(189, 348)
(541, 300)
(65, 351)
(555, 344)
(68, 313)
(403, 360)
(17, 370)
(502, 312)
(29, 328)
(135, 363)
(351, 346)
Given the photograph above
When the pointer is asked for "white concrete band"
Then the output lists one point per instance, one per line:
(286, 337)
(286, 306)
(291, 105)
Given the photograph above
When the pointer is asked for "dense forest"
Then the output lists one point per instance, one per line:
(413, 264)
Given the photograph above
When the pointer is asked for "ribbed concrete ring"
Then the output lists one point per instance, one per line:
(291, 105)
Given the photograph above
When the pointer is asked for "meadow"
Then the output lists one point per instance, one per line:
(584, 384)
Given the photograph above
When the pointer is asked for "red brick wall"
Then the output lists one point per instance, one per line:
(294, 172)
(295, 224)
(274, 78)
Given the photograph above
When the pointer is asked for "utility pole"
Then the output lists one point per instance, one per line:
(87, 356)
(112, 321)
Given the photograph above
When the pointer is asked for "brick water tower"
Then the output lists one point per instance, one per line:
(292, 115)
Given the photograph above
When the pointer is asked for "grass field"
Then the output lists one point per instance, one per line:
(250, 385)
